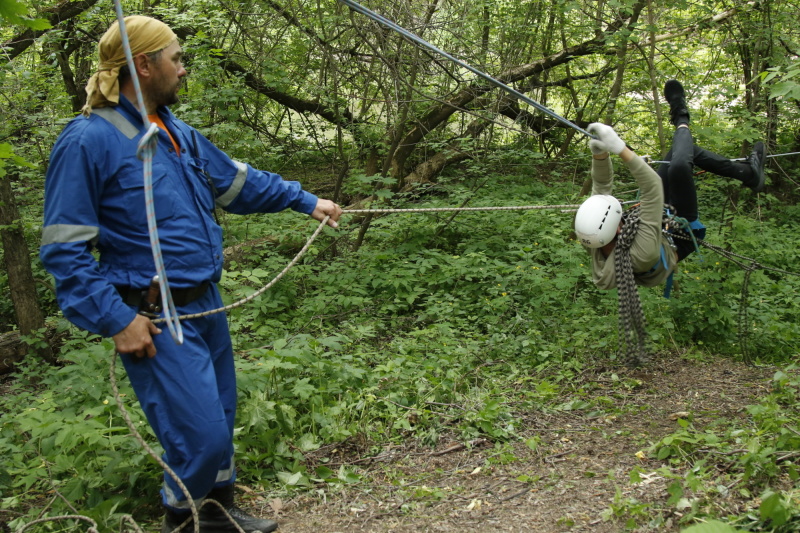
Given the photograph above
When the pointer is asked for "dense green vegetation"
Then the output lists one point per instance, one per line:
(476, 313)
(422, 325)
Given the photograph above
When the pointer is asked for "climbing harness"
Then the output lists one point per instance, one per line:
(355, 6)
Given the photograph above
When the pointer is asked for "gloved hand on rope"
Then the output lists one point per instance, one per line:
(607, 139)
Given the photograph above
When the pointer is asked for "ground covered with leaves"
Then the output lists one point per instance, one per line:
(601, 470)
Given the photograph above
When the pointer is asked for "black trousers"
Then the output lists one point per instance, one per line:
(677, 178)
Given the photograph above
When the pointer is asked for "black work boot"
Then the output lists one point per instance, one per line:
(173, 520)
(757, 160)
(676, 98)
(213, 520)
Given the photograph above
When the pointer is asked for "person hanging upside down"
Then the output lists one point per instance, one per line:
(628, 248)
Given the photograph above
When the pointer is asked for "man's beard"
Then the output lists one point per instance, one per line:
(170, 97)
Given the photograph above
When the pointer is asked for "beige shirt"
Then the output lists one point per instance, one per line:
(646, 250)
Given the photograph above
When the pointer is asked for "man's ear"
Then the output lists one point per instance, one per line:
(143, 65)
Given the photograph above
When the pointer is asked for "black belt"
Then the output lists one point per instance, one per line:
(133, 296)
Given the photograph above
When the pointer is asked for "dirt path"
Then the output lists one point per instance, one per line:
(574, 480)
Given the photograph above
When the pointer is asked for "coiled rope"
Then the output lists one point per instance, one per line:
(632, 321)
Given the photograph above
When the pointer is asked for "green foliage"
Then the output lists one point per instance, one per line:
(439, 324)
(759, 453)
(67, 435)
(783, 81)
(15, 12)
(711, 526)
(7, 152)
(436, 326)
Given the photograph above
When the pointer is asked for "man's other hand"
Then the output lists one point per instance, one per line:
(137, 337)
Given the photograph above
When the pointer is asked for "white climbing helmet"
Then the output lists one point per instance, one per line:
(597, 220)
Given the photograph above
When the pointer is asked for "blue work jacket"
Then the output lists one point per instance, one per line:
(94, 200)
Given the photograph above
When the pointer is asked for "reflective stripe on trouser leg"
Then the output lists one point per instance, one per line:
(188, 394)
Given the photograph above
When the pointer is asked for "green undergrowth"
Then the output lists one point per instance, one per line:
(437, 325)
(751, 459)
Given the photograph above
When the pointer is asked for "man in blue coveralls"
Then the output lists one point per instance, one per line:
(94, 200)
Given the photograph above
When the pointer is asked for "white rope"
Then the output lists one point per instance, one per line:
(322, 224)
(145, 151)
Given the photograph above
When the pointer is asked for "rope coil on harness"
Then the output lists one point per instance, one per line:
(632, 321)
(673, 222)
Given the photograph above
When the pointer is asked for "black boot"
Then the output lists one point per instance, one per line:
(757, 160)
(172, 520)
(213, 520)
(676, 98)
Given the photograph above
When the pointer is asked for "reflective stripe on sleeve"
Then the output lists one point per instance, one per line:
(236, 187)
(64, 233)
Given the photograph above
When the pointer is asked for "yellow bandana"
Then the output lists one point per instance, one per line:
(145, 35)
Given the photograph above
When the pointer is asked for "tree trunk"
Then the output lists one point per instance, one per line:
(16, 256)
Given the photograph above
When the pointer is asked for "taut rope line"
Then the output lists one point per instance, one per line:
(322, 224)
(768, 156)
(355, 6)
(754, 265)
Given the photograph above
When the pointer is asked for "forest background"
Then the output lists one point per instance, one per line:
(422, 327)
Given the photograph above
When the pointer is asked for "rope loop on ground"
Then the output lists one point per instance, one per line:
(92, 526)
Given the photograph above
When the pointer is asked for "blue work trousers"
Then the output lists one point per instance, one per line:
(188, 393)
